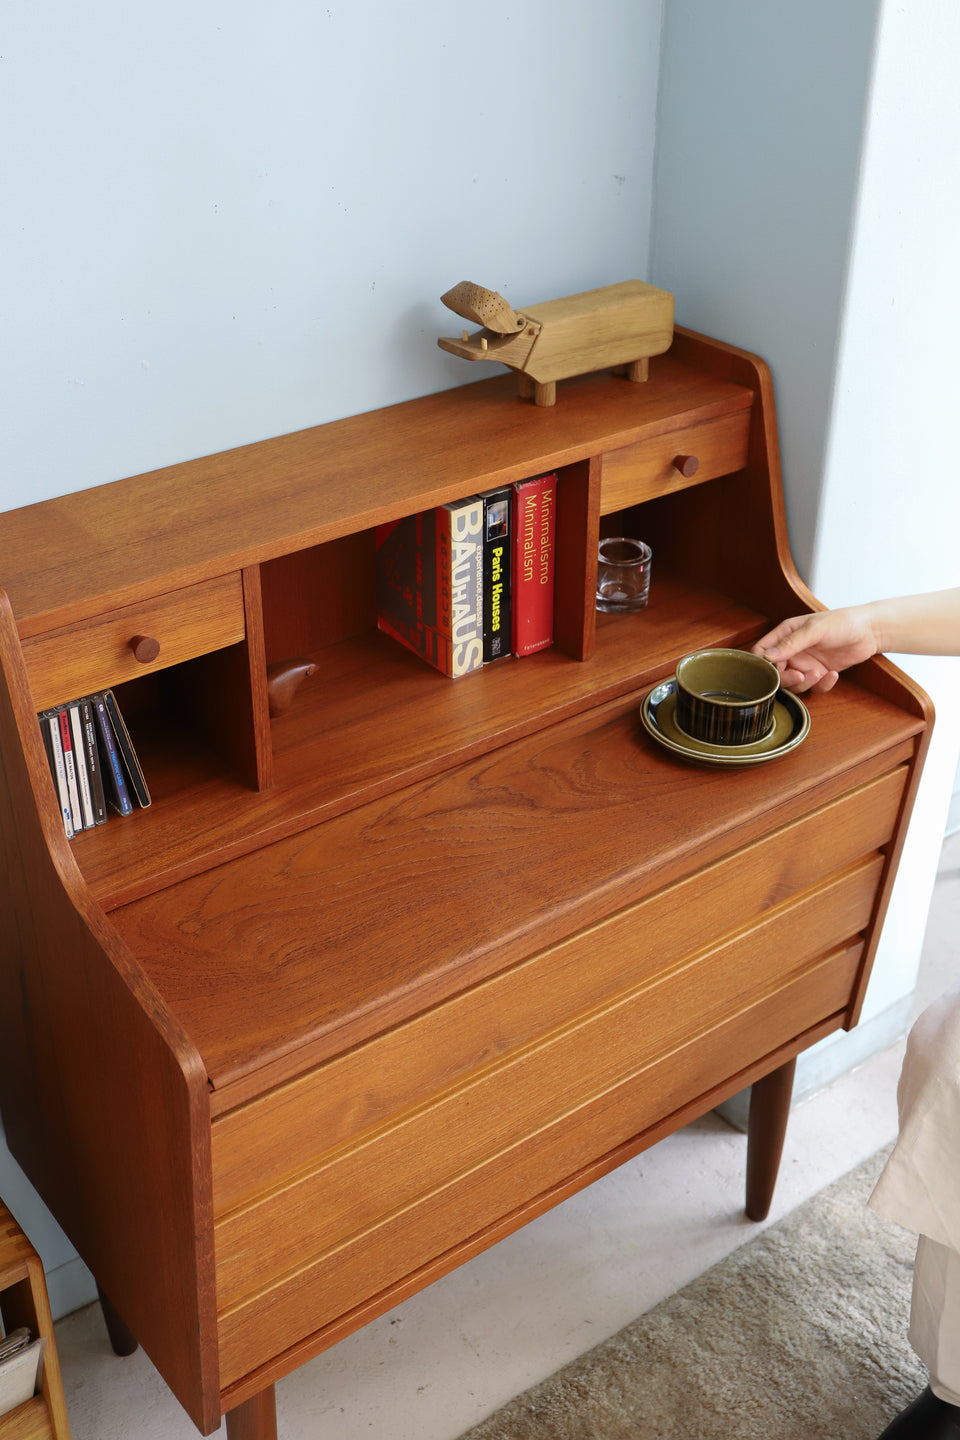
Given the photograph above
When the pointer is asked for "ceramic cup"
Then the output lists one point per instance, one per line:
(623, 574)
(725, 697)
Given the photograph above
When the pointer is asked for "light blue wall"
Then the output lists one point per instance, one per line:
(223, 221)
(226, 220)
(763, 105)
(890, 504)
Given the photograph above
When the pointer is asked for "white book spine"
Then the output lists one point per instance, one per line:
(62, 790)
(73, 790)
(465, 533)
(80, 756)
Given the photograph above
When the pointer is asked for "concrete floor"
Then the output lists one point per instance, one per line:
(442, 1361)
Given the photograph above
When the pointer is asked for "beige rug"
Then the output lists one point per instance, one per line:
(799, 1335)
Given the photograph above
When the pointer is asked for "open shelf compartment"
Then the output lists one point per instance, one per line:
(374, 719)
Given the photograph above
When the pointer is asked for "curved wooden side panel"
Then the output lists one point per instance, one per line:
(87, 1050)
(882, 677)
(741, 537)
(745, 521)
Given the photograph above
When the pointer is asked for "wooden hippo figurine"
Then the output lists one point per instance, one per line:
(616, 325)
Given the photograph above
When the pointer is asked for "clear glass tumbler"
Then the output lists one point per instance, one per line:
(623, 574)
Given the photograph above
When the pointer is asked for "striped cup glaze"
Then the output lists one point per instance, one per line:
(725, 697)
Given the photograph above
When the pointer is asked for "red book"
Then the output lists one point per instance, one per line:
(534, 532)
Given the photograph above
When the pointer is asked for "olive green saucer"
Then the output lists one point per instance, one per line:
(791, 723)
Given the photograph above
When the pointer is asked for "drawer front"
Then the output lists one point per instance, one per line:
(650, 468)
(274, 1314)
(259, 1146)
(356, 1185)
(99, 653)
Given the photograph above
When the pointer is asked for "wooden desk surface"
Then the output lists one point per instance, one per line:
(369, 935)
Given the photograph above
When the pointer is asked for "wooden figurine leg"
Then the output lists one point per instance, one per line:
(541, 393)
(638, 370)
(255, 1419)
(122, 1339)
(767, 1126)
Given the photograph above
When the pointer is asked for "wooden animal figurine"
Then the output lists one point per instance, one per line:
(617, 325)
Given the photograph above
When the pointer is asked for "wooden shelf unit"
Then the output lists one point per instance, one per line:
(23, 1301)
(487, 923)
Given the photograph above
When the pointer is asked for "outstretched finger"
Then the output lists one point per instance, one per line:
(793, 679)
(790, 638)
(774, 639)
(806, 673)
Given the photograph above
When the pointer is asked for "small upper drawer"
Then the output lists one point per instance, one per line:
(101, 652)
(666, 462)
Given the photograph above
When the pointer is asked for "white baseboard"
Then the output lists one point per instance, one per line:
(819, 1066)
(70, 1286)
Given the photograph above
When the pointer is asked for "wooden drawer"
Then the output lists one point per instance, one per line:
(357, 1185)
(65, 664)
(260, 1145)
(28, 1422)
(648, 469)
(274, 1314)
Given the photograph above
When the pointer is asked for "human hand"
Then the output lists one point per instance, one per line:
(811, 650)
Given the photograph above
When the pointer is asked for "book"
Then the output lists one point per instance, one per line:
(70, 766)
(430, 584)
(115, 788)
(16, 1341)
(497, 633)
(50, 730)
(21, 1368)
(128, 754)
(94, 772)
(534, 532)
(80, 764)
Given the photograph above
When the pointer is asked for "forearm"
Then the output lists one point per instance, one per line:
(916, 624)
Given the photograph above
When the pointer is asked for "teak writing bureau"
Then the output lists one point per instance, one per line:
(377, 980)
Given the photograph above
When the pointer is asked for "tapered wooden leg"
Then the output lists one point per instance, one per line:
(255, 1419)
(766, 1129)
(122, 1339)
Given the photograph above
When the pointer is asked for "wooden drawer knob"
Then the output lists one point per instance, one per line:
(145, 648)
(687, 464)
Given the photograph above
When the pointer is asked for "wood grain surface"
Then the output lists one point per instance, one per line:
(413, 1236)
(649, 469)
(518, 1095)
(259, 1145)
(23, 1301)
(372, 720)
(176, 526)
(31, 1421)
(104, 1097)
(404, 884)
